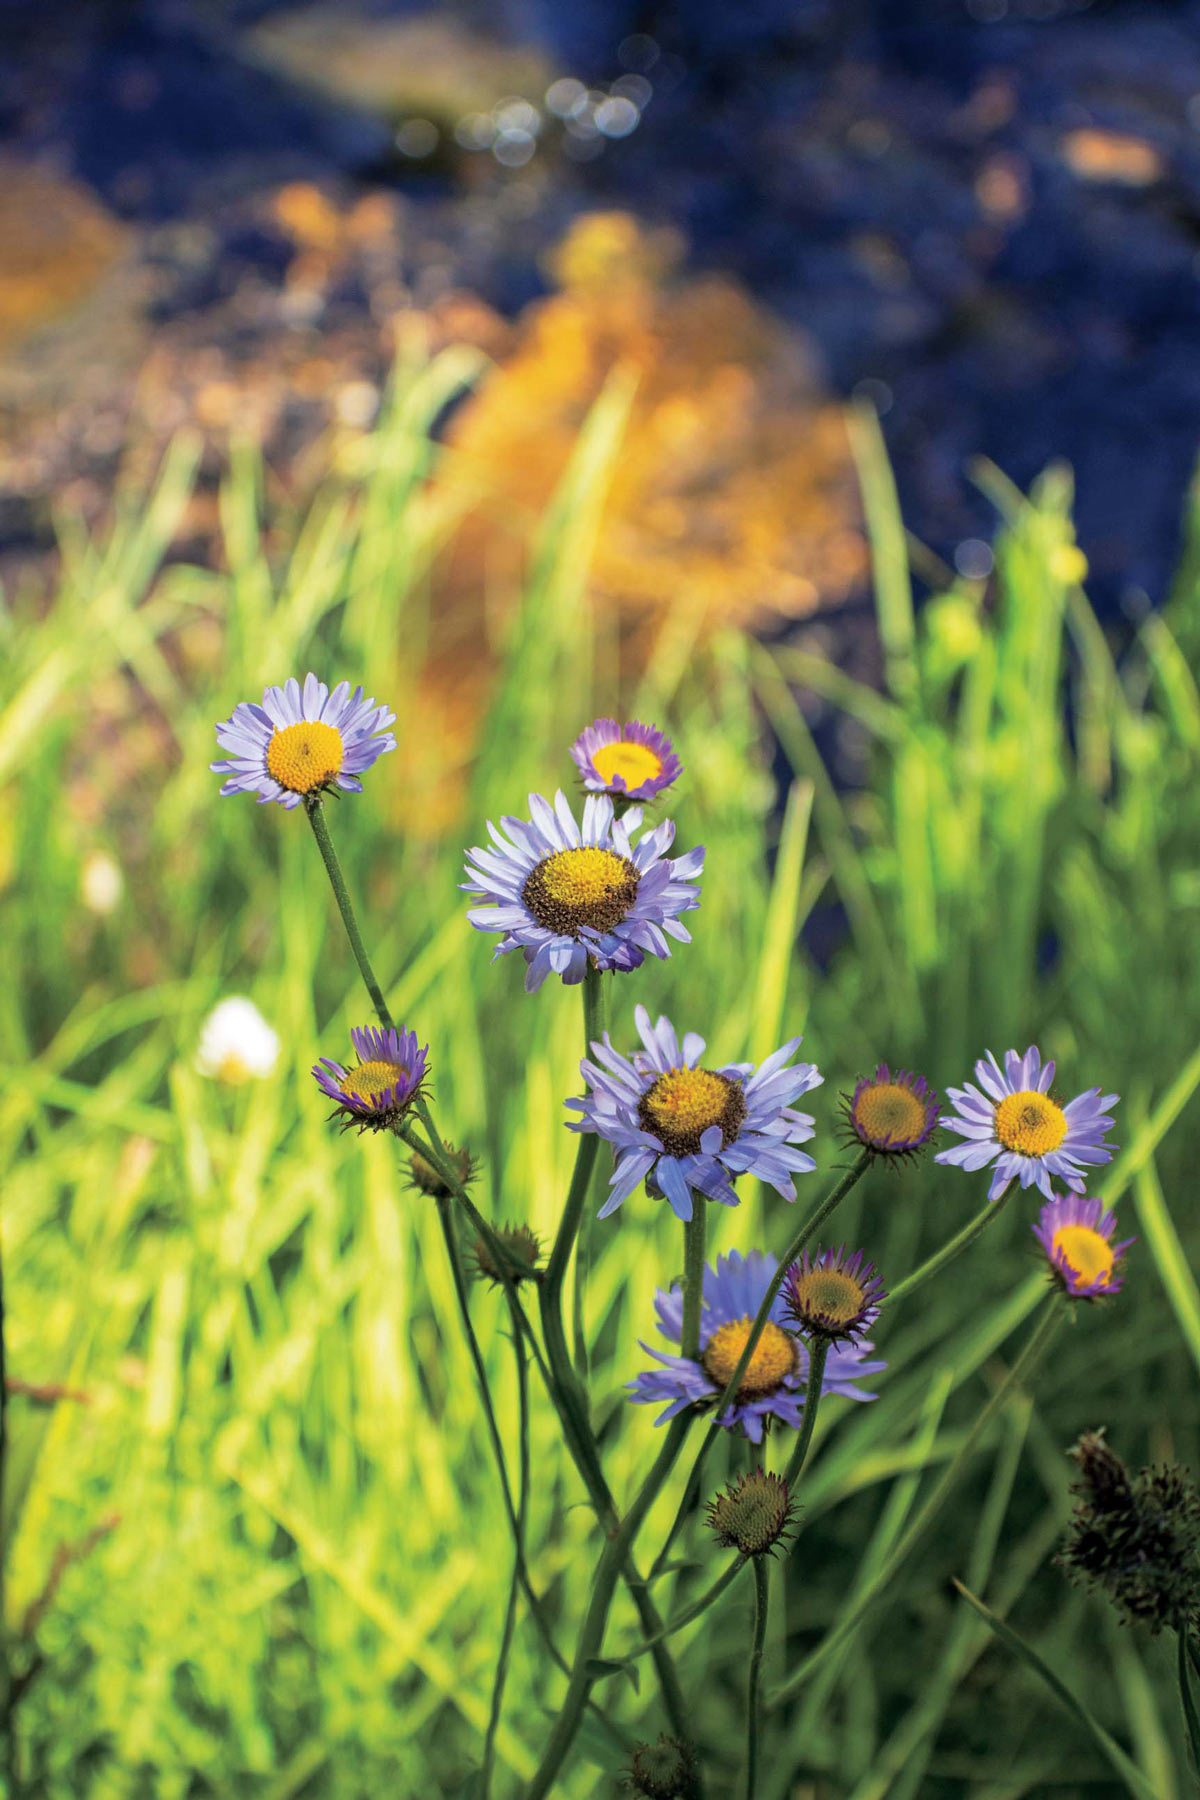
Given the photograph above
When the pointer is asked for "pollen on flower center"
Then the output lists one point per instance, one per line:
(1030, 1123)
(684, 1103)
(372, 1078)
(886, 1112)
(634, 763)
(305, 756)
(1085, 1251)
(775, 1357)
(581, 889)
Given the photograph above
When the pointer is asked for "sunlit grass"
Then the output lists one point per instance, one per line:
(304, 1591)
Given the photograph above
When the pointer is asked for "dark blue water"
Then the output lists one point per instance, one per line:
(833, 157)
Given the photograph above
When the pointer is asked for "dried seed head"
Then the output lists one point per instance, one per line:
(1136, 1536)
(664, 1771)
(752, 1513)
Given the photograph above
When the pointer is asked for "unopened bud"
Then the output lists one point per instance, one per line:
(424, 1176)
(522, 1252)
(752, 1513)
(664, 1771)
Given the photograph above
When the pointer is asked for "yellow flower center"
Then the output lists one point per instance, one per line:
(1030, 1123)
(372, 1078)
(575, 889)
(1086, 1252)
(827, 1294)
(635, 763)
(887, 1112)
(775, 1356)
(683, 1103)
(305, 756)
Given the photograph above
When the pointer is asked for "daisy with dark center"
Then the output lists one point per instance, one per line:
(684, 1129)
(832, 1296)
(773, 1384)
(1077, 1235)
(891, 1115)
(1012, 1120)
(302, 741)
(376, 1093)
(630, 762)
(568, 894)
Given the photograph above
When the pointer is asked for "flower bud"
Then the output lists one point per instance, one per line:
(664, 1771)
(752, 1513)
(423, 1175)
(522, 1253)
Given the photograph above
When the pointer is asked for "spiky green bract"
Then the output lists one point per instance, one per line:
(1135, 1536)
(423, 1175)
(522, 1248)
(664, 1771)
(752, 1514)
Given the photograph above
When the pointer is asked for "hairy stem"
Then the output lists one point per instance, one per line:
(1021, 1370)
(341, 893)
(817, 1353)
(510, 1611)
(762, 1594)
(591, 1637)
(934, 1264)
(694, 1235)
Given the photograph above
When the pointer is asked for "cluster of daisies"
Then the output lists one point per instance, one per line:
(576, 889)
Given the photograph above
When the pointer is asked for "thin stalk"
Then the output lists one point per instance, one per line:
(514, 1515)
(1038, 1338)
(817, 1353)
(698, 1606)
(341, 893)
(802, 1238)
(514, 1588)
(595, 1024)
(694, 1238)
(806, 1233)
(562, 1385)
(955, 1246)
(762, 1595)
(591, 1637)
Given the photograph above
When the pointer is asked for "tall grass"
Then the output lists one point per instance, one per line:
(305, 1586)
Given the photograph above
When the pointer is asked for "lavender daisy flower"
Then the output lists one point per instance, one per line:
(833, 1296)
(566, 894)
(1015, 1123)
(301, 742)
(377, 1092)
(773, 1384)
(891, 1115)
(1077, 1235)
(632, 761)
(682, 1128)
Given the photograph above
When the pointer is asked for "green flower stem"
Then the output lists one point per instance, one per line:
(591, 1637)
(762, 1594)
(567, 1394)
(595, 1024)
(698, 1606)
(802, 1238)
(514, 1513)
(954, 1247)
(694, 1236)
(817, 1353)
(337, 881)
(510, 1611)
(1052, 1312)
